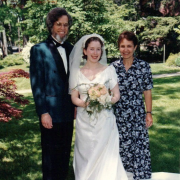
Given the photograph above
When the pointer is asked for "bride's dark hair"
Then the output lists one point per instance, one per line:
(88, 42)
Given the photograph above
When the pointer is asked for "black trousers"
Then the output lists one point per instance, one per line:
(56, 148)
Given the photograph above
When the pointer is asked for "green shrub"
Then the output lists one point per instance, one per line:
(11, 60)
(26, 52)
(171, 59)
(177, 61)
(1, 66)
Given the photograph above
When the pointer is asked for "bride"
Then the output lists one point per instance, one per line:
(96, 153)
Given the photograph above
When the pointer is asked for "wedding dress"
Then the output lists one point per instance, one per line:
(96, 154)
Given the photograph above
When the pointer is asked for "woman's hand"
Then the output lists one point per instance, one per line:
(148, 103)
(76, 100)
(149, 120)
(116, 94)
(113, 100)
(84, 104)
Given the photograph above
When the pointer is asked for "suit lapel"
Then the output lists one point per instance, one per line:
(57, 58)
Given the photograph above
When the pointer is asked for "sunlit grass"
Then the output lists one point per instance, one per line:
(162, 68)
(24, 66)
(23, 83)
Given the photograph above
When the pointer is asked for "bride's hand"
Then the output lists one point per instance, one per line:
(113, 100)
(85, 104)
(115, 94)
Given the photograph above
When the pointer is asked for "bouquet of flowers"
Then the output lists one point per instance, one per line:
(98, 98)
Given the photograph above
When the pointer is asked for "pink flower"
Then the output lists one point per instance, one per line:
(94, 93)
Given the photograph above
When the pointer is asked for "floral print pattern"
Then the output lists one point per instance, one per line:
(130, 117)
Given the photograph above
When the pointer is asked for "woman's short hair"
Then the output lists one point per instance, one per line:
(54, 15)
(130, 36)
(88, 42)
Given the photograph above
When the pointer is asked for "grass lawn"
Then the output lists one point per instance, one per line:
(158, 68)
(165, 133)
(20, 146)
(24, 66)
(162, 68)
(20, 150)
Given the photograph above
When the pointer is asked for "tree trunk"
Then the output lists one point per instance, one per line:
(5, 52)
(18, 36)
(24, 40)
(9, 39)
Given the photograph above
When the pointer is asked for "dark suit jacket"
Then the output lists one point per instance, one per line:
(49, 81)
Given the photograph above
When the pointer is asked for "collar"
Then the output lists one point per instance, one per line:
(56, 41)
(119, 63)
(135, 60)
(58, 44)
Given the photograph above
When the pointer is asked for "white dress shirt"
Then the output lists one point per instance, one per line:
(62, 52)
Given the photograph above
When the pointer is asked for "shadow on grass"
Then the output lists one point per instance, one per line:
(165, 142)
(20, 148)
(166, 80)
(162, 87)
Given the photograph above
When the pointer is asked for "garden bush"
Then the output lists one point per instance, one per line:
(8, 95)
(11, 60)
(26, 52)
(171, 59)
(177, 61)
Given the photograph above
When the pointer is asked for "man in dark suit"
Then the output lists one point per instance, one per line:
(49, 73)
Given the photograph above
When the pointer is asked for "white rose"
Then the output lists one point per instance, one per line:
(103, 99)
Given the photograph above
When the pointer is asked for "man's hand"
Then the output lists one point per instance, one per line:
(46, 121)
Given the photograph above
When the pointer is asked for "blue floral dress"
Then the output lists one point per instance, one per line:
(130, 116)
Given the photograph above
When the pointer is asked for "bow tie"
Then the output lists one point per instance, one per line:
(57, 44)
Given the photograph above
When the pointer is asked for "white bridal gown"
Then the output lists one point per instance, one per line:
(96, 154)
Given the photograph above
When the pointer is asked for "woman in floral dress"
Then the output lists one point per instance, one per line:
(134, 79)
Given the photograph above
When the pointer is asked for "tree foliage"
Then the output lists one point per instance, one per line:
(97, 16)
(177, 30)
(105, 17)
(8, 21)
(8, 95)
(156, 25)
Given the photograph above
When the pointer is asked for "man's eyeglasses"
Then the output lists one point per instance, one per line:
(66, 25)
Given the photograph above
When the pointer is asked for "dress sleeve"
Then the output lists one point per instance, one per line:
(73, 84)
(147, 78)
(113, 77)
